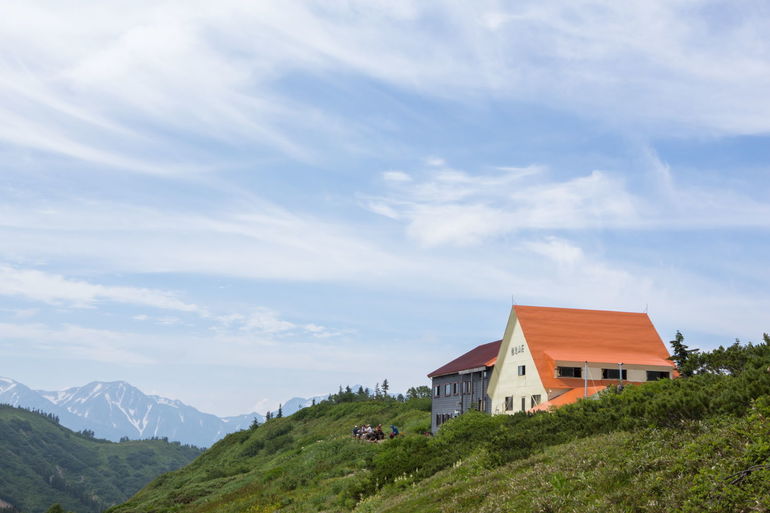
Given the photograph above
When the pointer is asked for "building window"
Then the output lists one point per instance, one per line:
(447, 390)
(466, 387)
(613, 374)
(455, 388)
(656, 375)
(522, 370)
(523, 404)
(509, 403)
(437, 391)
(534, 401)
(569, 372)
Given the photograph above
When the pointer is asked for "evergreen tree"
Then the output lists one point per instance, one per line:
(268, 415)
(686, 359)
(56, 508)
(400, 398)
(421, 392)
(361, 392)
(280, 412)
(385, 387)
(313, 402)
(377, 390)
(254, 423)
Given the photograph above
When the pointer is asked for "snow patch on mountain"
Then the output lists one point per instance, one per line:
(114, 410)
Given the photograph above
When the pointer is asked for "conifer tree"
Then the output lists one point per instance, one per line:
(684, 358)
(377, 390)
(254, 423)
(280, 412)
(385, 387)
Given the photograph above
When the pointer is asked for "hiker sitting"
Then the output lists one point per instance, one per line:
(355, 431)
(393, 431)
(378, 433)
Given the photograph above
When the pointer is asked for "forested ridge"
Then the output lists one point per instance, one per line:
(43, 463)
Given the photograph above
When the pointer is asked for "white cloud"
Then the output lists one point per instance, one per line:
(56, 289)
(72, 342)
(264, 320)
(453, 207)
(396, 176)
(126, 89)
(557, 250)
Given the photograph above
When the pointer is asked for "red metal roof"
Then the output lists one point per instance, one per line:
(568, 397)
(484, 355)
(588, 335)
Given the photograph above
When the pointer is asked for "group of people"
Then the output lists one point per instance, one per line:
(373, 434)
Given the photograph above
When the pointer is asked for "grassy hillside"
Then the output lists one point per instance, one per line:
(301, 463)
(42, 463)
(699, 443)
(693, 469)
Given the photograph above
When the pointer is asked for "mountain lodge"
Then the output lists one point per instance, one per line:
(549, 357)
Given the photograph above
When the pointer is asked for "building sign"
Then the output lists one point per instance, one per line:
(517, 349)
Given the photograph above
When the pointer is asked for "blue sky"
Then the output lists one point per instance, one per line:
(236, 203)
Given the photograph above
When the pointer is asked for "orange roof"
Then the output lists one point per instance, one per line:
(568, 397)
(588, 335)
(484, 355)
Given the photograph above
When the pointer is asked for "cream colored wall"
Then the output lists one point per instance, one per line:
(505, 380)
(635, 373)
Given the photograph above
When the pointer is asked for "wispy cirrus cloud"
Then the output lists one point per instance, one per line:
(56, 289)
(72, 342)
(140, 90)
(446, 206)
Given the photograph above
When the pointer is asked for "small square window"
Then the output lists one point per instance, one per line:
(534, 401)
(509, 403)
(523, 404)
(522, 370)
(447, 389)
(454, 388)
(437, 391)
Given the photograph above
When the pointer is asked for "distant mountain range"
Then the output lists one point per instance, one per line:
(117, 409)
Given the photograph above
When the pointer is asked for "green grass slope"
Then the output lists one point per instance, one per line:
(693, 469)
(42, 463)
(698, 443)
(299, 463)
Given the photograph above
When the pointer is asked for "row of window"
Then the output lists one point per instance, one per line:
(533, 401)
(577, 372)
(455, 388)
(441, 418)
(452, 389)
